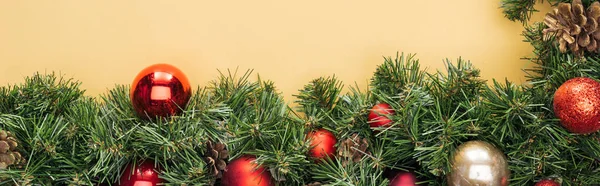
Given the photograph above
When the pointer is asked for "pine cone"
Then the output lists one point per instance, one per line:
(353, 149)
(215, 157)
(573, 27)
(8, 150)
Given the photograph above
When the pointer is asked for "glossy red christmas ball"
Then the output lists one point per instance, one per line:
(577, 105)
(547, 182)
(243, 171)
(144, 174)
(322, 144)
(378, 115)
(160, 90)
(404, 179)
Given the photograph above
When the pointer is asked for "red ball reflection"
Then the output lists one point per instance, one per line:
(160, 90)
(144, 174)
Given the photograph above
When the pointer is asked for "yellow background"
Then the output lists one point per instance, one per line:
(102, 43)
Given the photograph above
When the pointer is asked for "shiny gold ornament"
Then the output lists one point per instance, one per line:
(478, 163)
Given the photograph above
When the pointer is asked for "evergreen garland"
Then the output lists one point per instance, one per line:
(68, 138)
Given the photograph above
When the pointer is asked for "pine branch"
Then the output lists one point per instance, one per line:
(261, 124)
(286, 155)
(110, 139)
(459, 84)
(319, 102)
(46, 150)
(320, 94)
(333, 172)
(522, 10)
(177, 143)
(351, 115)
(410, 109)
(50, 115)
(512, 109)
(393, 75)
(39, 95)
(233, 90)
(518, 10)
(440, 135)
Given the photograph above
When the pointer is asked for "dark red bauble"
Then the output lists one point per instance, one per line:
(160, 90)
(322, 144)
(547, 182)
(378, 115)
(404, 179)
(243, 171)
(577, 105)
(144, 174)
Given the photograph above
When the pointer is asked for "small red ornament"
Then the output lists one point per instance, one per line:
(577, 105)
(404, 179)
(244, 172)
(144, 174)
(547, 182)
(160, 90)
(378, 115)
(322, 144)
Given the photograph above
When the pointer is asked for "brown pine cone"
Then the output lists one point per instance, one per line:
(215, 157)
(574, 27)
(353, 149)
(8, 150)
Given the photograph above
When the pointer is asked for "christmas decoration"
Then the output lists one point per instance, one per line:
(322, 144)
(547, 182)
(478, 163)
(378, 115)
(215, 157)
(8, 150)
(404, 179)
(577, 105)
(144, 173)
(251, 117)
(160, 90)
(243, 171)
(574, 26)
(353, 149)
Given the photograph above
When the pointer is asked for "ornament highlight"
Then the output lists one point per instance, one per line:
(577, 105)
(404, 179)
(378, 115)
(160, 90)
(547, 182)
(322, 144)
(243, 171)
(478, 163)
(145, 174)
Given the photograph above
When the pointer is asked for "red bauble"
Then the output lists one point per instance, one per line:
(144, 174)
(322, 144)
(160, 90)
(404, 179)
(547, 182)
(244, 172)
(378, 116)
(577, 105)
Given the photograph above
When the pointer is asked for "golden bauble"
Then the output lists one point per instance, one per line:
(478, 163)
